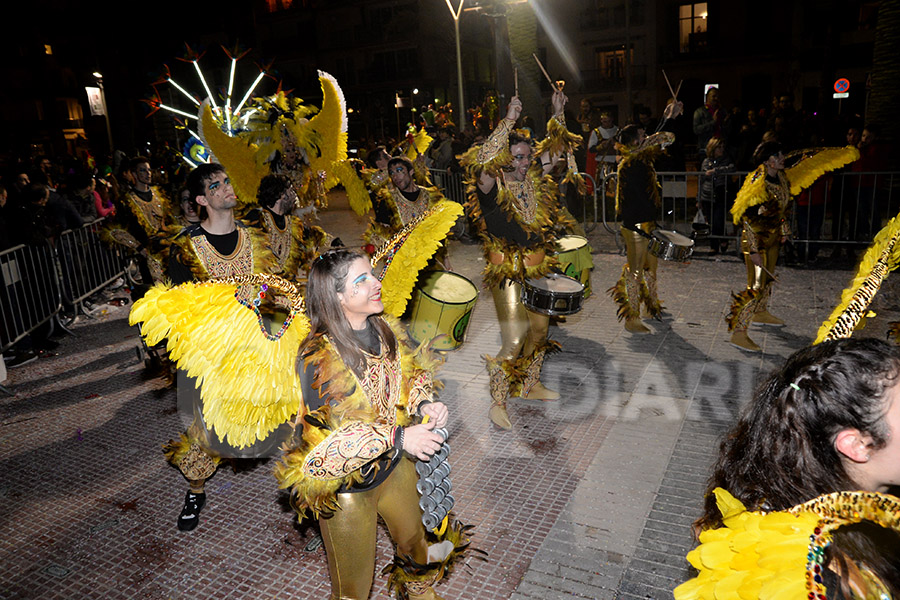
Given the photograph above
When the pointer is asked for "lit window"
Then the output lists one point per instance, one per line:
(611, 63)
(692, 20)
(48, 49)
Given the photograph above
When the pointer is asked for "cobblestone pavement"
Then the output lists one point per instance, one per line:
(588, 497)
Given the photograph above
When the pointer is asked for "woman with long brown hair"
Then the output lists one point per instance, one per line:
(364, 391)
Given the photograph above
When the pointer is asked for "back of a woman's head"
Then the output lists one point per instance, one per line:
(782, 450)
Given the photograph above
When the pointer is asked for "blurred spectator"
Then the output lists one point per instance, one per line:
(442, 153)
(586, 122)
(708, 120)
(810, 215)
(712, 191)
(645, 120)
(871, 165)
(5, 240)
(83, 196)
(602, 144)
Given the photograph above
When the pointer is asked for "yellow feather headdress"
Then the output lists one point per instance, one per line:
(882, 257)
(777, 555)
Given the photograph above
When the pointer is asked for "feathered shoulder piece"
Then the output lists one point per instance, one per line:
(559, 141)
(646, 154)
(815, 163)
(345, 171)
(777, 555)
(752, 193)
(245, 370)
(882, 257)
(408, 252)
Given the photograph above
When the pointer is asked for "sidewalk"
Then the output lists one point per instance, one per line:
(588, 497)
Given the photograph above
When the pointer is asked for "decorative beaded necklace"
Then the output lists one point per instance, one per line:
(523, 198)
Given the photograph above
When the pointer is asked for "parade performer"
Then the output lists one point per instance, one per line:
(217, 247)
(365, 391)
(147, 222)
(798, 505)
(293, 242)
(515, 206)
(761, 211)
(404, 199)
(637, 205)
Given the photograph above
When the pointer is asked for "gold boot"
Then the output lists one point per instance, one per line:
(627, 294)
(417, 591)
(532, 388)
(499, 386)
(652, 307)
(741, 340)
(743, 307)
(762, 316)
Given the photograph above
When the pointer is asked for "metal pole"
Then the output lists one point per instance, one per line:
(459, 74)
(105, 114)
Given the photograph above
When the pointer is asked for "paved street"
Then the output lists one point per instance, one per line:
(588, 497)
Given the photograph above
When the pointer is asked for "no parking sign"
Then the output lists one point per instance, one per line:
(842, 88)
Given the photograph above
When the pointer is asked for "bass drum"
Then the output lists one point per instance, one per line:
(442, 307)
(554, 295)
(575, 260)
(670, 245)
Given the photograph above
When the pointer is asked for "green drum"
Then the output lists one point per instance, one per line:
(441, 306)
(575, 260)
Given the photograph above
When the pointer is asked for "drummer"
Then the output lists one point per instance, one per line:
(637, 204)
(515, 206)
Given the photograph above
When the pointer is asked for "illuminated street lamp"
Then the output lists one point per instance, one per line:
(459, 73)
(99, 77)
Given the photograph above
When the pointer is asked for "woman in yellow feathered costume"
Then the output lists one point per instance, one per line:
(761, 210)
(364, 391)
(807, 469)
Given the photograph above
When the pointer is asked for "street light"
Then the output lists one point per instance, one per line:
(459, 74)
(99, 77)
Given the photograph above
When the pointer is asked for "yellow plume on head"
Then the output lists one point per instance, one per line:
(330, 126)
(236, 154)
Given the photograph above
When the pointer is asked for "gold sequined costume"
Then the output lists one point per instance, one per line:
(345, 466)
(515, 221)
(761, 211)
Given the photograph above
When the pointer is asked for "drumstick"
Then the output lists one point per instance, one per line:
(544, 71)
(516, 77)
(678, 89)
(671, 91)
(769, 273)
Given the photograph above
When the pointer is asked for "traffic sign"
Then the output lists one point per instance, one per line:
(842, 85)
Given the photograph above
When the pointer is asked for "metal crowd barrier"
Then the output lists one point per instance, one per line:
(30, 295)
(840, 209)
(87, 265)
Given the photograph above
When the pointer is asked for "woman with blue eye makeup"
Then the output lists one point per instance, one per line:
(365, 392)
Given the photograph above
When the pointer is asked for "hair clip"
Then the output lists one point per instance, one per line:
(795, 386)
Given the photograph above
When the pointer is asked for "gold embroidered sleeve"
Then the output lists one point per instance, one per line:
(420, 390)
(496, 143)
(750, 236)
(347, 449)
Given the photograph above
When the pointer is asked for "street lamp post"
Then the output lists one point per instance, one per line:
(99, 78)
(459, 73)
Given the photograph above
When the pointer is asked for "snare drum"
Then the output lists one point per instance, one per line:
(575, 260)
(443, 304)
(554, 295)
(670, 245)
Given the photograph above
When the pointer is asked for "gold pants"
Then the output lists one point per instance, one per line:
(521, 330)
(769, 244)
(349, 535)
(639, 257)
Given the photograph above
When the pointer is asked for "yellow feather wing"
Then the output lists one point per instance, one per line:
(880, 259)
(414, 253)
(247, 381)
(331, 126)
(817, 163)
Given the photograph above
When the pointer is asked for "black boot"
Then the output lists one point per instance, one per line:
(190, 514)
